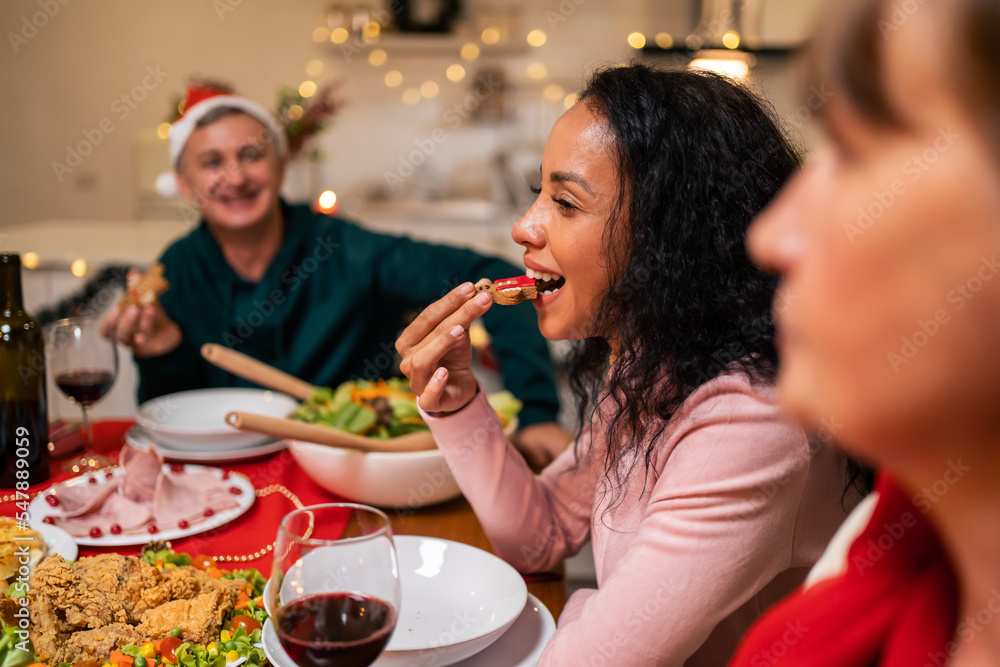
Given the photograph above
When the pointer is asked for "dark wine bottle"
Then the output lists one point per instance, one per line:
(24, 429)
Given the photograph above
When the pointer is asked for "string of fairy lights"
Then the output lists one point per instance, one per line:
(371, 33)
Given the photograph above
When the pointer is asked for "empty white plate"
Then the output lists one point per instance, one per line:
(190, 420)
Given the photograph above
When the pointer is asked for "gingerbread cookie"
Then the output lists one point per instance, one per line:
(143, 289)
(509, 291)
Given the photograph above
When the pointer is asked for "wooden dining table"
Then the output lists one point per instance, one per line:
(280, 485)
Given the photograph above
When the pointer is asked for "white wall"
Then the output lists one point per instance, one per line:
(70, 74)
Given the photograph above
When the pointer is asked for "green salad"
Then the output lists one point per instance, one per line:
(381, 408)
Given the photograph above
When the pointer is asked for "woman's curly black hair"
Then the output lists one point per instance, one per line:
(698, 158)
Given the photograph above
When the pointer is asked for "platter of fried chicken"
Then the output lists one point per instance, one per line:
(115, 609)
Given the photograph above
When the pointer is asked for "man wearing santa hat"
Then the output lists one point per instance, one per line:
(317, 296)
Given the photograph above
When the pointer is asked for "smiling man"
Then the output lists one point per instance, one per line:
(317, 296)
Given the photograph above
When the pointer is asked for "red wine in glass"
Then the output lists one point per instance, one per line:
(85, 386)
(345, 629)
(84, 365)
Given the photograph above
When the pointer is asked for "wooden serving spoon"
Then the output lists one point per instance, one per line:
(293, 429)
(256, 371)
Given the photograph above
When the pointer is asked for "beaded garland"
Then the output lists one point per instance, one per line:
(260, 493)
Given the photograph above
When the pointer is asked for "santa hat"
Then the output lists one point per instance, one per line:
(199, 102)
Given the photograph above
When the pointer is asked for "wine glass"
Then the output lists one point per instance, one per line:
(334, 587)
(85, 365)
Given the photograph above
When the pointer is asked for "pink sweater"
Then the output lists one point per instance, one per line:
(733, 511)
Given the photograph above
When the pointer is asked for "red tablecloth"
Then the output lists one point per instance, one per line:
(249, 533)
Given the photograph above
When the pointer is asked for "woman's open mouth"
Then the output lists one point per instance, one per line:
(546, 283)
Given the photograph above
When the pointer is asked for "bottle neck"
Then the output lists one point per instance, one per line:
(11, 300)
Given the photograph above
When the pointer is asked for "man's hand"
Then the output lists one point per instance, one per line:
(145, 329)
(541, 443)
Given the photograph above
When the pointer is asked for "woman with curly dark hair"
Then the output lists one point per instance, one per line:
(704, 505)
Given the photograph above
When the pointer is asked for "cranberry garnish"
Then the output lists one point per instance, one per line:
(209, 511)
(153, 529)
(95, 532)
(108, 475)
(52, 500)
(51, 520)
(182, 524)
(91, 480)
(115, 529)
(176, 467)
(225, 474)
(235, 490)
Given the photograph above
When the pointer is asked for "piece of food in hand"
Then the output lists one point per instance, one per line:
(144, 289)
(19, 545)
(509, 291)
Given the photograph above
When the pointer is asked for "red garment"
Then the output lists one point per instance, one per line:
(894, 606)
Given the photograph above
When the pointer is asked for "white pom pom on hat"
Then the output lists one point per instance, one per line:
(201, 101)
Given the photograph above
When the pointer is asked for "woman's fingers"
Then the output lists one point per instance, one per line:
(425, 359)
(433, 316)
(430, 398)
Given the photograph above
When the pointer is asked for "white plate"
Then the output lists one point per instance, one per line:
(57, 541)
(39, 509)
(140, 438)
(520, 646)
(187, 419)
(456, 601)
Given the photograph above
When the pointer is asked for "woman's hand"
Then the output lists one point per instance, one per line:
(145, 329)
(436, 351)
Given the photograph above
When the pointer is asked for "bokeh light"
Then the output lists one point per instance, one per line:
(537, 37)
(537, 71)
(470, 51)
(393, 78)
(307, 88)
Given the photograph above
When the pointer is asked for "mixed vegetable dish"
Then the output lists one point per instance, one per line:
(381, 409)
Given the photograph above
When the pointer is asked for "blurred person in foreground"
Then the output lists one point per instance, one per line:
(888, 245)
(316, 296)
(705, 505)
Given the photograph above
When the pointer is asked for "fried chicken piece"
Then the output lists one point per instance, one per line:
(184, 583)
(98, 644)
(99, 590)
(48, 631)
(199, 618)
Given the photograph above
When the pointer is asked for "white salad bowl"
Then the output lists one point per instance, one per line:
(384, 479)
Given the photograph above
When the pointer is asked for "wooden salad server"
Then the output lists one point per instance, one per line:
(293, 429)
(256, 371)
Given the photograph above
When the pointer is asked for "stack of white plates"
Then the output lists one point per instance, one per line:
(460, 606)
(191, 425)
